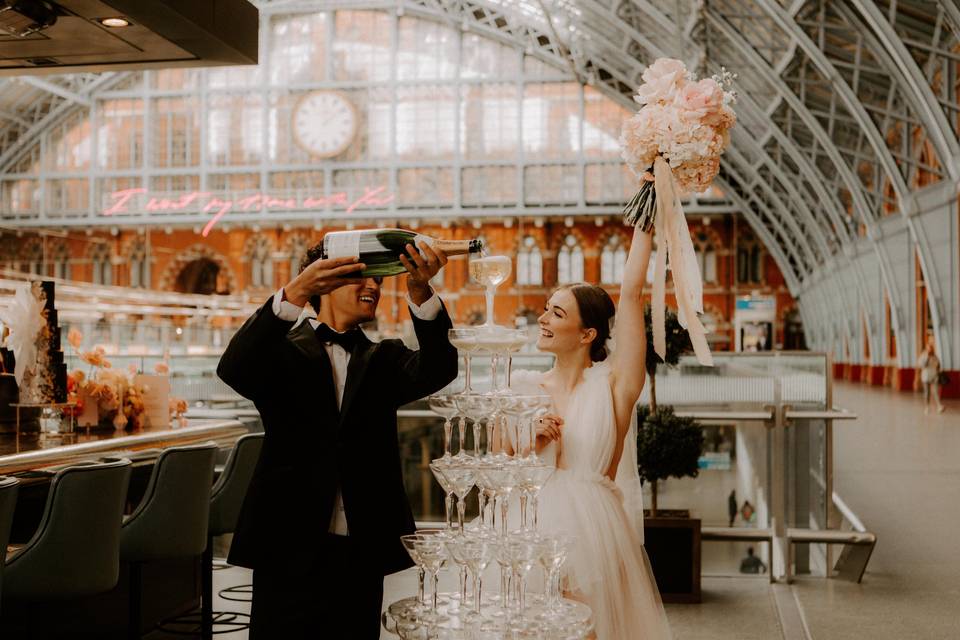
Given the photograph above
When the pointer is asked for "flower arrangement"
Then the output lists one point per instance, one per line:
(118, 399)
(673, 145)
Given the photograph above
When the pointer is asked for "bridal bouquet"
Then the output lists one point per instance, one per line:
(673, 144)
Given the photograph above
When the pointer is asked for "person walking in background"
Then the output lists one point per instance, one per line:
(929, 367)
(747, 512)
(732, 506)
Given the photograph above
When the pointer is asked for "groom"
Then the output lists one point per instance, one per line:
(323, 516)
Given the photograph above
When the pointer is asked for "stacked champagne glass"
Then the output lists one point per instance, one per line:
(507, 465)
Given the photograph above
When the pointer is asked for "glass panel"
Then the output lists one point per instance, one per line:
(68, 147)
(552, 184)
(120, 138)
(232, 77)
(427, 50)
(425, 186)
(298, 49)
(355, 182)
(361, 47)
(176, 132)
(19, 197)
(481, 57)
(176, 79)
(601, 126)
(609, 184)
(426, 122)
(489, 186)
(551, 120)
(234, 129)
(489, 121)
(69, 196)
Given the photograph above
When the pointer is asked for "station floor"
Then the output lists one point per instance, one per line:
(899, 470)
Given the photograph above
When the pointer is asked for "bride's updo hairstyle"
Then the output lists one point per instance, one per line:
(596, 311)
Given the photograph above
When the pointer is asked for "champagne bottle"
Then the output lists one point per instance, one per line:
(380, 249)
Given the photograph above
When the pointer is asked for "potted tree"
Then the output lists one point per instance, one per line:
(669, 446)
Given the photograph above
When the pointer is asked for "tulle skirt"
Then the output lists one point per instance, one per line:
(607, 566)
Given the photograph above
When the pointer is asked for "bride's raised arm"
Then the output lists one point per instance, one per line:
(629, 357)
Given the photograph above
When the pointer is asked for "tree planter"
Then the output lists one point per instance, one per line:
(673, 545)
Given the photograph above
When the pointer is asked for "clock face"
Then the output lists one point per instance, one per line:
(324, 123)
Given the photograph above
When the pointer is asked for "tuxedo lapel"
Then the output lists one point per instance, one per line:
(356, 370)
(304, 338)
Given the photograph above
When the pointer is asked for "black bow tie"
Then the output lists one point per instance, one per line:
(347, 339)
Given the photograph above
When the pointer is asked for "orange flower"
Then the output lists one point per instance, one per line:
(96, 358)
(161, 368)
(75, 338)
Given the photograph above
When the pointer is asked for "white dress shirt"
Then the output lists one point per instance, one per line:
(339, 359)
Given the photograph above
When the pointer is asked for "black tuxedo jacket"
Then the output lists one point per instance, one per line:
(310, 446)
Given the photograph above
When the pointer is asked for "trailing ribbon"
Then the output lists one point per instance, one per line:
(671, 227)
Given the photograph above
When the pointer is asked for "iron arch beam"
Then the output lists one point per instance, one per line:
(823, 138)
(902, 64)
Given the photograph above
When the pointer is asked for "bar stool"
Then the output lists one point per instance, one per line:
(171, 520)
(8, 500)
(87, 498)
(226, 498)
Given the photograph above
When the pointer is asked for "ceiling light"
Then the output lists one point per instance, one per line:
(115, 23)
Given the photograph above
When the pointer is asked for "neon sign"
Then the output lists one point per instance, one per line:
(207, 202)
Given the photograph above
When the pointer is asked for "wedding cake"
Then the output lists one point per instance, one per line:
(45, 380)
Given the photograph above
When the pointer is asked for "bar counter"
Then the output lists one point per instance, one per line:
(33, 452)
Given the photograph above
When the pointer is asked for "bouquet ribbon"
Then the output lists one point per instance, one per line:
(671, 228)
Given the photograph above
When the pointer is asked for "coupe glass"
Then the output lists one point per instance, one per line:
(462, 477)
(432, 551)
(409, 543)
(477, 552)
(553, 552)
(436, 466)
(531, 477)
(519, 338)
(496, 341)
(455, 548)
(444, 404)
(464, 339)
(490, 272)
(524, 553)
(502, 480)
(476, 407)
(523, 407)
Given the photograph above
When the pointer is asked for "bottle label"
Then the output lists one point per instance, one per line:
(343, 245)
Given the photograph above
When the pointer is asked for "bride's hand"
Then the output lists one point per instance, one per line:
(549, 428)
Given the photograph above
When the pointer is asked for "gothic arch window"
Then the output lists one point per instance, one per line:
(706, 257)
(32, 256)
(100, 262)
(61, 261)
(570, 261)
(139, 266)
(749, 262)
(261, 263)
(529, 262)
(613, 258)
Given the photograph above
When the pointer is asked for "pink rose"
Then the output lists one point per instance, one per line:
(661, 80)
(699, 99)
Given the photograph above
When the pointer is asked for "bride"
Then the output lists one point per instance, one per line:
(595, 494)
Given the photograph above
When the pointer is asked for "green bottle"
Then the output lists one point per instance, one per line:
(380, 249)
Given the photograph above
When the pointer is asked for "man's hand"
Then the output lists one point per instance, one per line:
(322, 277)
(420, 269)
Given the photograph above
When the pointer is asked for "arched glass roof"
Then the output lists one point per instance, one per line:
(848, 112)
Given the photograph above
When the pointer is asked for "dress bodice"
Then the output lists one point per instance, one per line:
(589, 428)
